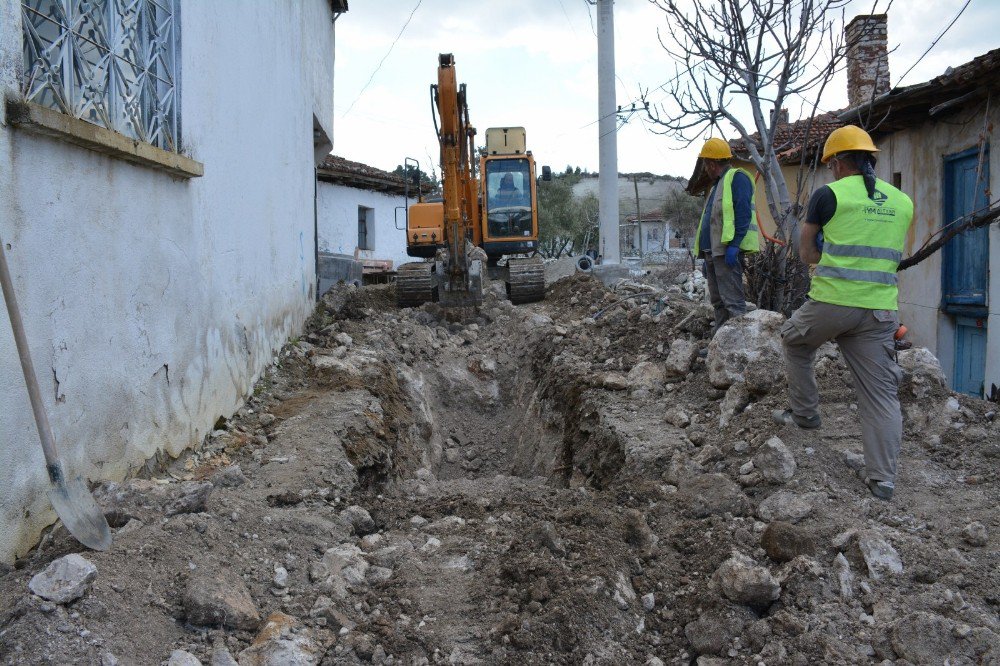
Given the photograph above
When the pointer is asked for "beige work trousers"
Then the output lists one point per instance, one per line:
(865, 338)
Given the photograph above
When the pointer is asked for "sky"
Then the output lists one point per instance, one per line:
(533, 63)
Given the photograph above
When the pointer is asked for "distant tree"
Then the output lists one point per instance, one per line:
(428, 183)
(568, 170)
(684, 210)
(563, 220)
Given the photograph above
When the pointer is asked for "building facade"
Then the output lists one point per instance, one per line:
(157, 208)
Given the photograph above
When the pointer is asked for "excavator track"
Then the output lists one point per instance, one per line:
(414, 284)
(525, 280)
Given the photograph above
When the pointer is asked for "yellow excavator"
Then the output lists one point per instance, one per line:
(478, 223)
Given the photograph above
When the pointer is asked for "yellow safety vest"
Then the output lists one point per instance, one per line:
(862, 246)
(750, 242)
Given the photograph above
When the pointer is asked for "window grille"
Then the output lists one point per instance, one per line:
(113, 63)
(364, 228)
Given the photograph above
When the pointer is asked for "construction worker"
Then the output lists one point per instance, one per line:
(863, 222)
(726, 229)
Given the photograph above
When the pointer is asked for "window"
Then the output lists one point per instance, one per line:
(366, 218)
(112, 63)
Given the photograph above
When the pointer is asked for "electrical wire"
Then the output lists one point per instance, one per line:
(936, 40)
(382, 61)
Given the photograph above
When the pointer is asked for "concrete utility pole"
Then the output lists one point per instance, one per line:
(607, 109)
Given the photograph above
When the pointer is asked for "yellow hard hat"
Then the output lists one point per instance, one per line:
(848, 137)
(715, 149)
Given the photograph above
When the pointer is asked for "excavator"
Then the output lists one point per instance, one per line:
(478, 223)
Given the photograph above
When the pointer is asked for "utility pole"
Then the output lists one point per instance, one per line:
(607, 110)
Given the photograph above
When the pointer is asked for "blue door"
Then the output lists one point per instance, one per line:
(965, 264)
(970, 356)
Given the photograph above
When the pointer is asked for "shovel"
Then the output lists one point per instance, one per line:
(70, 497)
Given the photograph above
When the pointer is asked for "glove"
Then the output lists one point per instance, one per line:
(732, 256)
(819, 241)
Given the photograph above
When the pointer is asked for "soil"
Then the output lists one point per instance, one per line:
(530, 503)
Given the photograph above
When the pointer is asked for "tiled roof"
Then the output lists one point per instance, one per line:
(792, 141)
(952, 91)
(340, 171)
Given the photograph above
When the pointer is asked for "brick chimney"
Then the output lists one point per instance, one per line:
(867, 58)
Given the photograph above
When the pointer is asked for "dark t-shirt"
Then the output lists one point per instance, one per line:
(822, 206)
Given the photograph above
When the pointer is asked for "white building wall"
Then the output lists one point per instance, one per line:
(337, 213)
(153, 303)
(918, 154)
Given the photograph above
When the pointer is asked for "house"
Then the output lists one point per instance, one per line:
(360, 221)
(934, 141)
(157, 210)
(649, 235)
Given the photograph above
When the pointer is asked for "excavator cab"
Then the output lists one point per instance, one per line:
(510, 209)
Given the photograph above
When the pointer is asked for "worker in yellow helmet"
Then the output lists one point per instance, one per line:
(862, 222)
(725, 230)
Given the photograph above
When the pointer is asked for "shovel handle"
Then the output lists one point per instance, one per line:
(30, 379)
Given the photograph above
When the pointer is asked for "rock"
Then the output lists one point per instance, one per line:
(975, 534)
(879, 555)
(65, 579)
(228, 477)
(741, 580)
(736, 400)
(739, 342)
(845, 578)
(358, 519)
(376, 575)
(922, 374)
(183, 658)
(712, 633)
(544, 534)
(648, 602)
(926, 638)
(712, 495)
(342, 569)
(343, 339)
(192, 498)
(680, 358)
(637, 532)
(613, 381)
(222, 657)
(707, 455)
(278, 645)
(219, 598)
(266, 419)
(677, 417)
(645, 375)
(855, 461)
(784, 542)
(785, 506)
(775, 461)
(763, 375)
(280, 576)
(335, 619)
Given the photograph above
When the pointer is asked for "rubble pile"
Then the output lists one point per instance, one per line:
(588, 480)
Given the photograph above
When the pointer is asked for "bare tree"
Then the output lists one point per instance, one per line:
(742, 62)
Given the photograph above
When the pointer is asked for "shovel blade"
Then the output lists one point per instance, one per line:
(80, 514)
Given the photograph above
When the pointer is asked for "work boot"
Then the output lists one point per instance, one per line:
(788, 417)
(881, 489)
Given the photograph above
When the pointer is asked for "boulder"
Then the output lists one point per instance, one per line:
(775, 461)
(923, 376)
(191, 498)
(736, 400)
(182, 658)
(219, 598)
(877, 553)
(278, 645)
(358, 520)
(65, 579)
(740, 341)
(741, 580)
(975, 534)
(343, 569)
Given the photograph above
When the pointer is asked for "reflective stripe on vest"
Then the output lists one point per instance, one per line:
(750, 242)
(862, 246)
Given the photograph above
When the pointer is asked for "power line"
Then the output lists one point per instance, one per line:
(936, 40)
(379, 66)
